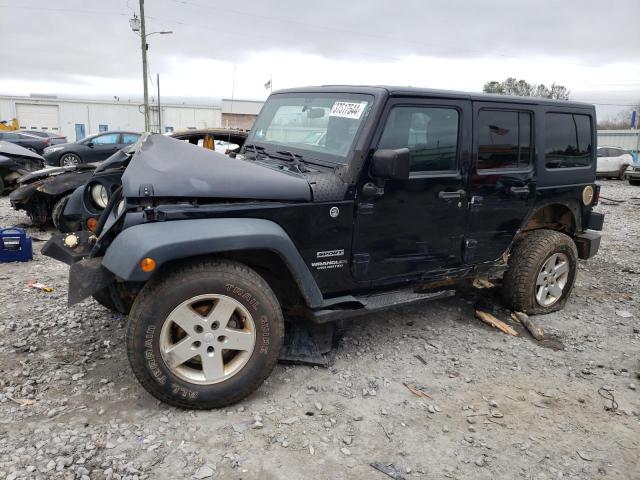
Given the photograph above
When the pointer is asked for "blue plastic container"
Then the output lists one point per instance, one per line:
(15, 245)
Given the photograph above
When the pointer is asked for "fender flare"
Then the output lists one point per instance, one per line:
(74, 205)
(572, 205)
(174, 240)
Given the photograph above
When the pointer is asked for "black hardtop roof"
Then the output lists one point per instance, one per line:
(394, 91)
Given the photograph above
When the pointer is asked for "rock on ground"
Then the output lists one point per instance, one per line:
(507, 407)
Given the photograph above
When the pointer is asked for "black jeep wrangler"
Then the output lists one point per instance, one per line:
(342, 201)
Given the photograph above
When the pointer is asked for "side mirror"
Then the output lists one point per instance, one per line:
(391, 164)
(90, 144)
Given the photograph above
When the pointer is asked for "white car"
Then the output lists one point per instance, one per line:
(612, 162)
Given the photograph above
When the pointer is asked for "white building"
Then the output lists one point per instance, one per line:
(625, 139)
(77, 118)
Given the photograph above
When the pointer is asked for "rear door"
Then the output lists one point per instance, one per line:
(502, 181)
(416, 226)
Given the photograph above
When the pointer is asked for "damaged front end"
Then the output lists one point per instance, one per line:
(161, 172)
(83, 251)
(39, 191)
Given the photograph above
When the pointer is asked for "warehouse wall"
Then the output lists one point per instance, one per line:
(626, 139)
(112, 115)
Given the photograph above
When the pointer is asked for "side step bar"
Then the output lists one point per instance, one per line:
(374, 303)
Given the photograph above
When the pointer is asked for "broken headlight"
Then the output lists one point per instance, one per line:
(120, 207)
(99, 196)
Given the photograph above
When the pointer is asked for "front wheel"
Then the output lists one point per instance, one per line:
(56, 214)
(205, 335)
(69, 160)
(542, 270)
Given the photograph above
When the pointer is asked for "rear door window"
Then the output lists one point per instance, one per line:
(568, 140)
(504, 139)
(109, 139)
(129, 138)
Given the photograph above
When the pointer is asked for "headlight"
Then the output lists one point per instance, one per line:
(53, 149)
(99, 196)
(120, 207)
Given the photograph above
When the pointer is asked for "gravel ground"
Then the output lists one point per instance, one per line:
(500, 406)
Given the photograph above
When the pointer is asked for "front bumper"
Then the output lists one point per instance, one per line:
(52, 158)
(87, 275)
(21, 196)
(633, 172)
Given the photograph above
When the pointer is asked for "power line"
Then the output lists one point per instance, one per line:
(65, 10)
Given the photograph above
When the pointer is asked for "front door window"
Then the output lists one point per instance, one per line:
(430, 134)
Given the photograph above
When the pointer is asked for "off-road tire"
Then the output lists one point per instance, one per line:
(527, 258)
(103, 297)
(633, 182)
(169, 289)
(57, 211)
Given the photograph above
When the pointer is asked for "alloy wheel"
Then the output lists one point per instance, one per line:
(207, 339)
(69, 161)
(552, 279)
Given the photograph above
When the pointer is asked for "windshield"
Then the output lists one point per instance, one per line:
(314, 125)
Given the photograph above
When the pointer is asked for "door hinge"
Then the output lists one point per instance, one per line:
(360, 264)
(365, 208)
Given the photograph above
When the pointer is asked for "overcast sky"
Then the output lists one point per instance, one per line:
(86, 47)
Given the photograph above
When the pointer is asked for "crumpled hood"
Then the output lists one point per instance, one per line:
(8, 149)
(52, 172)
(166, 167)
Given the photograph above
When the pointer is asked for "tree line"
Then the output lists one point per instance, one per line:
(522, 88)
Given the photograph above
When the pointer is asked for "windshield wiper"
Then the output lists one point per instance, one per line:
(293, 157)
(257, 149)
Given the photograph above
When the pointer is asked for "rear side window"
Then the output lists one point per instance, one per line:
(504, 139)
(568, 140)
(430, 134)
(128, 138)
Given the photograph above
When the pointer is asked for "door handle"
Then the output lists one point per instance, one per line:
(456, 195)
(519, 190)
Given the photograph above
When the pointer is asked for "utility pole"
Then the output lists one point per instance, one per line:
(159, 105)
(139, 27)
(143, 45)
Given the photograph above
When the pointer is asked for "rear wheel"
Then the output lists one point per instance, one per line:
(69, 160)
(542, 270)
(205, 335)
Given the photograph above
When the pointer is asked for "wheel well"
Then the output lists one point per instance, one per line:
(556, 217)
(275, 272)
(267, 264)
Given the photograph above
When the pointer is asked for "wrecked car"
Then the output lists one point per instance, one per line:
(43, 194)
(87, 204)
(16, 161)
(408, 192)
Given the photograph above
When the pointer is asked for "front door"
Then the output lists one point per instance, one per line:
(502, 182)
(415, 226)
(104, 146)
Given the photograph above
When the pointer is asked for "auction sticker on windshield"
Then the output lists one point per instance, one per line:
(348, 109)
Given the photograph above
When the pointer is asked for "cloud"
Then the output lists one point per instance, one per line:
(87, 47)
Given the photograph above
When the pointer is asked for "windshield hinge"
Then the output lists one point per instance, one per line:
(145, 190)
